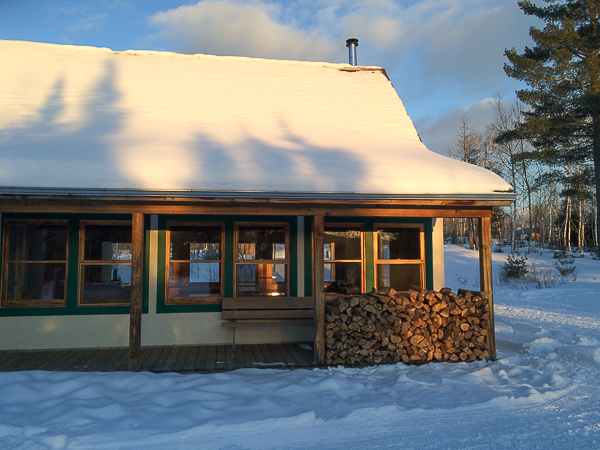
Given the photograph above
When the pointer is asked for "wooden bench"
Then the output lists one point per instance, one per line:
(267, 312)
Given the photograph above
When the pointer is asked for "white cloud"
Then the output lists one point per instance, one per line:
(87, 22)
(440, 135)
(230, 28)
(466, 45)
(83, 17)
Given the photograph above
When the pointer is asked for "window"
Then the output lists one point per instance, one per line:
(35, 263)
(262, 259)
(194, 263)
(105, 263)
(343, 272)
(399, 256)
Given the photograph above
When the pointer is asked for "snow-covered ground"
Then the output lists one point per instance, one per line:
(542, 392)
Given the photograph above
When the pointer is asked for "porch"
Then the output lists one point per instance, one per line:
(161, 359)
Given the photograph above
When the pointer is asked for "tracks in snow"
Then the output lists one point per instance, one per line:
(547, 317)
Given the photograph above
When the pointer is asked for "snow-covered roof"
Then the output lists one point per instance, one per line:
(86, 118)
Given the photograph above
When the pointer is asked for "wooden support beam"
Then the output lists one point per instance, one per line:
(134, 199)
(137, 279)
(485, 276)
(319, 291)
(307, 209)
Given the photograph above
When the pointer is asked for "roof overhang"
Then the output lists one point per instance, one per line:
(502, 198)
(103, 201)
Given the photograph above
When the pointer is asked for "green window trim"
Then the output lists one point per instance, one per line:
(370, 235)
(228, 256)
(102, 262)
(171, 262)
(71, 308)
(24, 263)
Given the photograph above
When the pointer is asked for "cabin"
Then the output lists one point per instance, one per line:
(147, 197)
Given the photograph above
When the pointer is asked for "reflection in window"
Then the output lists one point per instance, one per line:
(261, 279)
(400, 259)
(262, 260)
(399, 243)
(105, 263)
(36, 263)
(194, 263)
(343, 256)
(261, 242)
(247, 251)
(398, 276)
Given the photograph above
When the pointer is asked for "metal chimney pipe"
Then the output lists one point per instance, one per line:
(352, 43)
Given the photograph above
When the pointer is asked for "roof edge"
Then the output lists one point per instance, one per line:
(280, 195)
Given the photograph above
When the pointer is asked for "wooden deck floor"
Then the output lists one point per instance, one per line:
(182, 359)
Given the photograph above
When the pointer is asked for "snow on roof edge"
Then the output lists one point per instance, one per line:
(167, 54)
(33, 191)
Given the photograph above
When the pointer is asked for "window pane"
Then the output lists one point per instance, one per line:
(195, 243)
(194, 280)
(261, 243)
(398, 276)
(106, 283)
(343, 244)
(344, 278)
(35, 281)
(399, 243)
(261, 279)
(37, 242)
(107, 243)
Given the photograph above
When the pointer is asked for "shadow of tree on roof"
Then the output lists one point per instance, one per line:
(96, 150)
(255, 165)
(48, 143)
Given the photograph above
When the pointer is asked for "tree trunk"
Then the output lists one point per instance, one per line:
(513, 226)
(595, 224)
(596, 153)
(567, 232)
(580, 228)
(471, 235)
(551, 231)
(528, 187)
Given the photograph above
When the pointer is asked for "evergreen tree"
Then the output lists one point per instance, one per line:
(562, 71)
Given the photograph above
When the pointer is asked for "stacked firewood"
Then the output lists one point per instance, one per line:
(409, 326)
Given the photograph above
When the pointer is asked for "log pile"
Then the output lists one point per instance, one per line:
(409, 326)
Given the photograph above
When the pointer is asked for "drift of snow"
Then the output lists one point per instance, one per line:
(541, 392)
(90, 118)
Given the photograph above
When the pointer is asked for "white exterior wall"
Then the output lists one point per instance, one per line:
(48, 332)
(112, 330)
(438, 253)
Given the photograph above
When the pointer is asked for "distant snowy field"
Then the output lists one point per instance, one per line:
(542, 392)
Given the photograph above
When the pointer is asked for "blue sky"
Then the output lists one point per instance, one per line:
(444, 57)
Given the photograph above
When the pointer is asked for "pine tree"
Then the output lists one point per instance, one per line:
(562, 71)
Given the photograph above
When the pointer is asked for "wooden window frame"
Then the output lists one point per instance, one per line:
(377, 261)
(35, 303)
(209, 300)
(363, 270)
(237, 261)
(81, 262)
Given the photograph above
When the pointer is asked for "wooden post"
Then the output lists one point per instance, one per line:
(485, 275)
(137, 278)
(319, 292)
